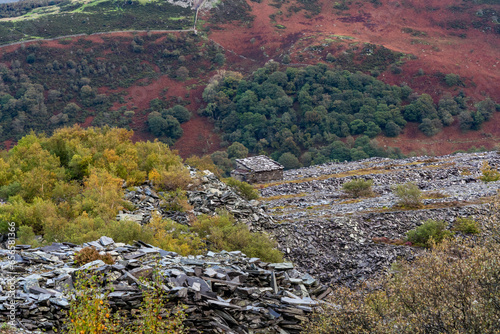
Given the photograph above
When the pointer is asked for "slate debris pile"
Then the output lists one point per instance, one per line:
(146, 201)
(224, 292)
(212, 195)
(207, 197)
(332, 237)
(344, 250)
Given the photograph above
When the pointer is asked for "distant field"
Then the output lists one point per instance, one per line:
(26, 21)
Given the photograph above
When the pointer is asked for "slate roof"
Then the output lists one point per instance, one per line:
(260, 163)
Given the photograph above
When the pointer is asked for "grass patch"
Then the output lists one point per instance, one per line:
(278, 197)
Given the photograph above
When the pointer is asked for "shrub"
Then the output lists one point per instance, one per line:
(222, 233)
(154, 317)
(358, 188)
(289, 160)
(427, 233)
(175, 177)
(90, 311)
(204, 163)
(467, 226)
(175, 201)
(26, 236)
(174, 237)
(89, 254)
(489, 174)
(450, 289)
(452, 79)
(409, 195)
(244, 189)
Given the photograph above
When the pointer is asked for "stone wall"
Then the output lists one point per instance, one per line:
(267, 176)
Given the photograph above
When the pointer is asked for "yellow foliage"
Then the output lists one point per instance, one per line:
(90, 312)
(154, 177)
(174, 237)
(5, 173)
(156, 155)
(204, 163)
(102, 195)
(177, 176)
(489, 174)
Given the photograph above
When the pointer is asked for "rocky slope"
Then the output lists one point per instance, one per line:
(224, 292)
(329, 238)
(338, 239)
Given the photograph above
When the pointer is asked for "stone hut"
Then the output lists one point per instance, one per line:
(257, 170)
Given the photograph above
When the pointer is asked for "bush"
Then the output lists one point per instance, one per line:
(175, 201)
(452, 79)
(26, 236)
(450, 289)
(289, 160)
(244, 189)
(358, 188)
(174, 237)
(154, 317)
(222, 233)
(175, 177)
(409, 195)
(89, 254)
(427, 233)
(204, 163)
(489, 174)
(467, 226)
(90, 311)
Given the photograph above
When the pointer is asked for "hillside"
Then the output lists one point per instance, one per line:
(434, 48)
(92, 201)
(343, 239)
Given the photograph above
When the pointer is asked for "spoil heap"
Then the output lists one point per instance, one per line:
(224, 292)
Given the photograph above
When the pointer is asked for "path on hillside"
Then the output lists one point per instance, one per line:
(198, 7)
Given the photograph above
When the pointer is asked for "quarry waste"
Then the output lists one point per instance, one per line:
(327, 238)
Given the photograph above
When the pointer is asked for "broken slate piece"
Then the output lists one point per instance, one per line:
(63, 302)
(92, 265)
(282, 266)
(31, 281)
(106, 241)
(298, 301)
(145, 271)
(37, 291)
(308, 279)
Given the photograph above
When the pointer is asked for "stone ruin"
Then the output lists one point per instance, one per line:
(257, 169)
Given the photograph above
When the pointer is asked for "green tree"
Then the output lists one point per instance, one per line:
(466, 121)
(180, 113)
(452, 79)
(219, 59)
(391, 129)
(428, 127)
(372, 130)
(182, 73)
(289, 161)
(237, 151)
(486, 108)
